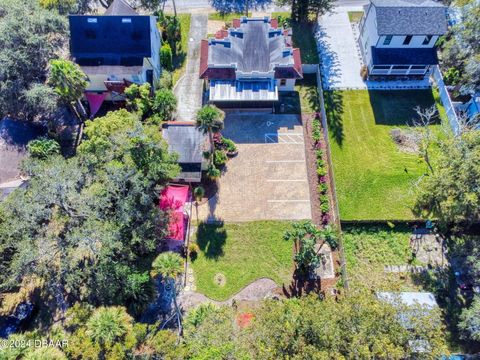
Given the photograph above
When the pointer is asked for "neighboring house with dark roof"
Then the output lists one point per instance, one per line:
(189, 143)
(116, 49)
(248, 64)
(397, 37)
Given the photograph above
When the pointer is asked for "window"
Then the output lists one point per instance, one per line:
(387, 40)
(126, 20)
(283, 82)
(92, 20)
(407, 40)
(427, 40)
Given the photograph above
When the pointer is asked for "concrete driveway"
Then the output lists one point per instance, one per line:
(341, 59)
(268, 178)
(188, 89)
(338, 51)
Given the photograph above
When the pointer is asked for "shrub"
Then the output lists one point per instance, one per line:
(199, 193)
(316, 133)
(320, 162)
(43, 148)
(319, 153)
(230, 146)
(207, 155)
(324, 207)
(139, 99)
(213, 172)
(164, 104)
(321, 171)
(451, 76)
(323, 198)
(166, 80)
(193, 250)
(322, 188)
(220, 158)
(166, 57)
(364, 72)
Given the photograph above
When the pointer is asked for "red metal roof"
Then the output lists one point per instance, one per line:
(221, 34)
(203, 57)
(274, 23)
(236, 23)
(297, 61)
(219, 73)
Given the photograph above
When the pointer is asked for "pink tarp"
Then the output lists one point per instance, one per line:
(95, 101)
(172, 199)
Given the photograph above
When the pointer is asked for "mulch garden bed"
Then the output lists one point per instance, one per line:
(311, 161)
(318, 218)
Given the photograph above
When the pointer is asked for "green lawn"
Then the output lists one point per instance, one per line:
(302, 38)
(304, 100)
(374, 246)
(373, 177)
(226, 17)
(242, 253)
(180, 60)
(355, 16)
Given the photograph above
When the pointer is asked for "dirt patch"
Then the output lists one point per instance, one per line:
(406, 140)
(220, 279)
(214, 25)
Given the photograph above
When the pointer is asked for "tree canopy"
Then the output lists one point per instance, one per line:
(358, 326)
(452, 193)
(29, 37)
(461, 50)
(238, 6)
(84, 225)
(304, 10)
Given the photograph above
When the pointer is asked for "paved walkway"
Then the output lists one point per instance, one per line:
(188, 89)
(255, 291)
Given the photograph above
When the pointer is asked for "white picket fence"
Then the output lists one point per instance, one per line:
(446, 100)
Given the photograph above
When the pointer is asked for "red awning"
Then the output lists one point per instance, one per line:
(95, 101)
(173, 199)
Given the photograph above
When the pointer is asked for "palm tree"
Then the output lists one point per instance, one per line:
(169, 265)
(108, 325)
(69, 82)
(209, 121)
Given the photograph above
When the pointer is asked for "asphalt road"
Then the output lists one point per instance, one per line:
(199, 5)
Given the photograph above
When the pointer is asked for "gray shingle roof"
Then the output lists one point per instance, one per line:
(255, 46)
(410, 17)
(185, 140)
(120, 8)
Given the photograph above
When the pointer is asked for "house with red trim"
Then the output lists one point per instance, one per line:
(249, 64)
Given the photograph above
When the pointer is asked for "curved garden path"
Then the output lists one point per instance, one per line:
(255, 291)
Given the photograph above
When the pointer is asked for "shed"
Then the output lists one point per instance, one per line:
(189, 143)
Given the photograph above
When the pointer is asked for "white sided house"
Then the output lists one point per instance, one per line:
(397, 37)
(116, 49)
(250, 63)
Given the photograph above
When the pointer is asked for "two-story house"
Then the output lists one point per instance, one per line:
(397, 37)
(116, 49)
(248, 64)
